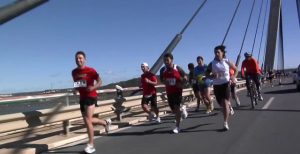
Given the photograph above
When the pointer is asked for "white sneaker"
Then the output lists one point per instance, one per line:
(208, 111)
(260, 98)
(89, 149)
(157, 120)
(184, 113)
(226, 127)
(237, 102)
(151, 116)
(212, 106)
(107, 126)
(176, 130)
(231, 111)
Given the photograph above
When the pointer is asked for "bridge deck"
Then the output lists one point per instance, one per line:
(272, 128)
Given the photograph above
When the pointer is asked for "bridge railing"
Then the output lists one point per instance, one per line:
(64, 115)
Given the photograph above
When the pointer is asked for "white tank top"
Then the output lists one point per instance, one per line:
(221, 70)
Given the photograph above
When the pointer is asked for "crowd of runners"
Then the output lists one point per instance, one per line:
(219, 74)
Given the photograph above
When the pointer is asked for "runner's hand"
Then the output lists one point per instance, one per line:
(90, 88)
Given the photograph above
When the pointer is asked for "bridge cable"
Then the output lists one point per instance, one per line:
(169, 49)
(262, 32)
(192, 18)
(298, 10)
(237, 7)
(239, 55)
(258, 21)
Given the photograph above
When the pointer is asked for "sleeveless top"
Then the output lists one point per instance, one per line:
(221, 71)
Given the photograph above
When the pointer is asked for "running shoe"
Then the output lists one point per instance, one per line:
(260, 98)
(238, 103)
(212, 106)
(107, 126)
(208, 110)
(231, 111)
(176, 130)
(226, 127)
(151, 116)
(89, 149)
(157, 120)
(184, 112)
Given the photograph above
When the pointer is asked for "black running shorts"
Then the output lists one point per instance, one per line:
(174, 99)
(152, 100)
(222, 92)
(84, 103)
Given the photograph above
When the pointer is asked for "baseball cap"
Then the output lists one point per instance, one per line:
(145, 64)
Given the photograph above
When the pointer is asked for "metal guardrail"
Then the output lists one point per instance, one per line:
(60, 114)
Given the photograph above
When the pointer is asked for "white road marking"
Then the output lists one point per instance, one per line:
(240, 89)
(268, 103)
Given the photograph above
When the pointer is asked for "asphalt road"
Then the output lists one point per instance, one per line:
(272, 128)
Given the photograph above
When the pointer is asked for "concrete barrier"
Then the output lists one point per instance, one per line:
(63, 115)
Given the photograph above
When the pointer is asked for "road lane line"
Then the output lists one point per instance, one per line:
(240, 89)
(268, 103)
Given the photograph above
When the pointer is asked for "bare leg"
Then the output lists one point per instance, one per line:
(146, 108)
(226, 110)
(155, 110)
(177, 112)
(88, 119)
(197, 95)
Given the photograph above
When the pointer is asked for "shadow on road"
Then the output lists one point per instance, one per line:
(284, 91)
(64, 152)
(268, 110)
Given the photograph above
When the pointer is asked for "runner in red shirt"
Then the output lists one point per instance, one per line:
(148, 82)
(173, 77)
(84, 78)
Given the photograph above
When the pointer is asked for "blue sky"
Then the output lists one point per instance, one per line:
(37, 48)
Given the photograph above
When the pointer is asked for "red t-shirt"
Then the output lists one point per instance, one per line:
(231, 72)
(173, 78)
(148, 89)
(251, 66)
(86, 75)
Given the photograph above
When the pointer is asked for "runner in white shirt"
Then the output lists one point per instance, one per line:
(218, 70)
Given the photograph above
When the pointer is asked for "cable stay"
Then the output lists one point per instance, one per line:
(298, 10)
(159, 62)
(258, 21)
(237, 7)
(262, 32)
(239, 55)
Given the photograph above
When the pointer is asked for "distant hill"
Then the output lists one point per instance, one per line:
(135, 82)
(129, 83)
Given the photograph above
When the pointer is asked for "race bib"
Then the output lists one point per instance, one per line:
(172, 81)
(79, 84)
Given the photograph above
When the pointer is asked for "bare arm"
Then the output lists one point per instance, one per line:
(153, 81)
(96, 86)
(182, 74)
(231, 65)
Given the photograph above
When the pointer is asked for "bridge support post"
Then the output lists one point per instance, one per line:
(273, 26)
(66, 127)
